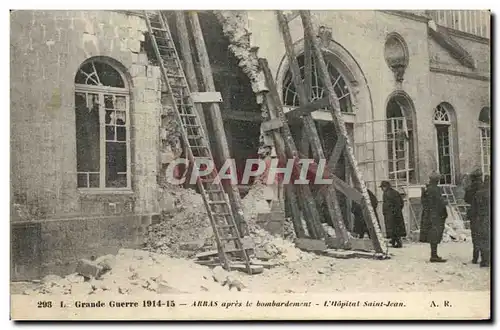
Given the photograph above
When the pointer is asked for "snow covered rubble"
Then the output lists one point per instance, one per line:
(137, 271)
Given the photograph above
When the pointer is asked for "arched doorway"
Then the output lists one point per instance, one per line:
(445, 125)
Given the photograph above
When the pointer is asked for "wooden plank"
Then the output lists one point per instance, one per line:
(215, 114)
(265, 264)
(206, 97)
(340, 127)
(329, 194)
(339, 254)
(356, 244)
(308, 108)
(337, 152)
(271, 125)
(310, 245)
(256, 269)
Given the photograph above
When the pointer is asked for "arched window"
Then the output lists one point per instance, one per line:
(400, 138)
(291, 97)
(102, 126)
(485, 139)
(445, 146)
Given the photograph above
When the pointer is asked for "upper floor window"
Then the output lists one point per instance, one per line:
(291, 97)
(476, 22)
(102, 126)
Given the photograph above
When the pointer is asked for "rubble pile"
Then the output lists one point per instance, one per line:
(267, 246)
(138, 271)
(454, 229)
(185, 230)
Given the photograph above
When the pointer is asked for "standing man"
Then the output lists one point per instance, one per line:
(392, 209)
(470, 193)
(434, 215)
(481, 212)
(360, 227)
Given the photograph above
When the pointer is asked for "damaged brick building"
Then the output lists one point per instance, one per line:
(87, 116)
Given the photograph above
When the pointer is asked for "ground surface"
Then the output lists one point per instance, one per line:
(408, 269)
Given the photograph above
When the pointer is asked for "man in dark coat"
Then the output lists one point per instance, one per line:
(392, 209)
(360, 227)
(434, 215)
(470, 193)
(481, 213)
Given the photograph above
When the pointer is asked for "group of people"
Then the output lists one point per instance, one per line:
(434, 216)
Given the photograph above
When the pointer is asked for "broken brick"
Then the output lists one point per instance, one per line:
(89, 269)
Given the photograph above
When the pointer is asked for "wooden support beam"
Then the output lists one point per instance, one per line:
(329, 194)
(206, 97)
(293, 204)
(216, 117)
(187, 60)
(337, 151)
(271, 125)
(308, 108)
(305, 197)
(338, 121)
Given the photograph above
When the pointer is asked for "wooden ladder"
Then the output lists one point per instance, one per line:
(227, 236)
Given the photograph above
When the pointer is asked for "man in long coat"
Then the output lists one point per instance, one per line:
(360, 227)
(392, 209)
(470, 193)
(434, 215)
(481, 213)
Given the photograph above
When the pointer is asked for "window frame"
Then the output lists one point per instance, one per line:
(444, 112)
(101, 91)
(288, 87)
(485, 135)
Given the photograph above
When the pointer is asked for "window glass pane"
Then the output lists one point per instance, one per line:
(82, 180)
(121, 133)
(87, 132)
(116, 164)
(110, 117)
(108, 102)
(120, 118)
(121, 103)
(110, 133)
(94, 180)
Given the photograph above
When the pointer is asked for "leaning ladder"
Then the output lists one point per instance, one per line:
(449, 196)
(216, 201)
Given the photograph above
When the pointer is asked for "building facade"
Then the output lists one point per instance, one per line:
(87, 145)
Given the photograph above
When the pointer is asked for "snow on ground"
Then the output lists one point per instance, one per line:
(408, 269)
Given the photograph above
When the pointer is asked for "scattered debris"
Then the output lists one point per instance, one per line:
(185, 230)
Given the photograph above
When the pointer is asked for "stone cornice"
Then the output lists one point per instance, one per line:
(407, 14)
(470, 75)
